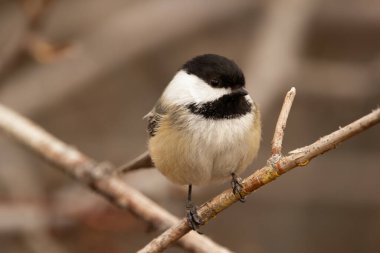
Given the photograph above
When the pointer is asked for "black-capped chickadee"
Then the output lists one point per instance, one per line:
(205, 127)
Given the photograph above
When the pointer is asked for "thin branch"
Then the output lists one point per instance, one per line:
(276, 166)
(303, 155)
(281, 123)
(98, 177)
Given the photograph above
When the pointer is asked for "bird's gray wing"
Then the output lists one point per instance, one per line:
(154, 117)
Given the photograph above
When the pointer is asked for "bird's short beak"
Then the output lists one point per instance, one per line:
(240, 91)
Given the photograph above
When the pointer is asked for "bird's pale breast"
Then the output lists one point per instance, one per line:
(205, 150)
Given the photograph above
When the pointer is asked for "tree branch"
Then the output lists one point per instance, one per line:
(276, 166)
(97, 176)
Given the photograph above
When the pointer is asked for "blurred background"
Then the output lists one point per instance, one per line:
(89, 70)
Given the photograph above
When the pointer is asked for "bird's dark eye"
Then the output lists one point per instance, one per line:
(214, 82)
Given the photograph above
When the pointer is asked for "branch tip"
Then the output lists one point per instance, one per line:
(281, 122)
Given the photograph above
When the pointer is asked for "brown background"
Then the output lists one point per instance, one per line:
(89, 70)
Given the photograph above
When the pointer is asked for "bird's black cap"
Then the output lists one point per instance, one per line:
(216, 70)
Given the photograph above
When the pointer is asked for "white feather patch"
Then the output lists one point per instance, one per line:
(186, 88)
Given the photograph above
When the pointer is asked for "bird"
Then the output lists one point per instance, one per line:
(205, 127)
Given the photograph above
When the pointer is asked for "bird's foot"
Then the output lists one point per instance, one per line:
(193, 217)
(237, 187)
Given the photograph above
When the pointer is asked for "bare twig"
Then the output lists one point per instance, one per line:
(302, 156)
(281, 123)
(276, 166)
(96, 175)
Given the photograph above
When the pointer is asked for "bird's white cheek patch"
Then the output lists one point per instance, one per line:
(203, 93)
(185, 89)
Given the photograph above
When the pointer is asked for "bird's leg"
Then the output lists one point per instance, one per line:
(191, 212)
(237, 187)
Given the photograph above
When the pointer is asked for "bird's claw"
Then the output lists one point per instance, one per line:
(193, 218)
(237, 187)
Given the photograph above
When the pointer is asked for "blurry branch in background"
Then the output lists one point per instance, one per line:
(275, 55)
(44, 51)
(32, 12)
(276, 165)
(97, 176)
(112, 44)
(31, 223)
